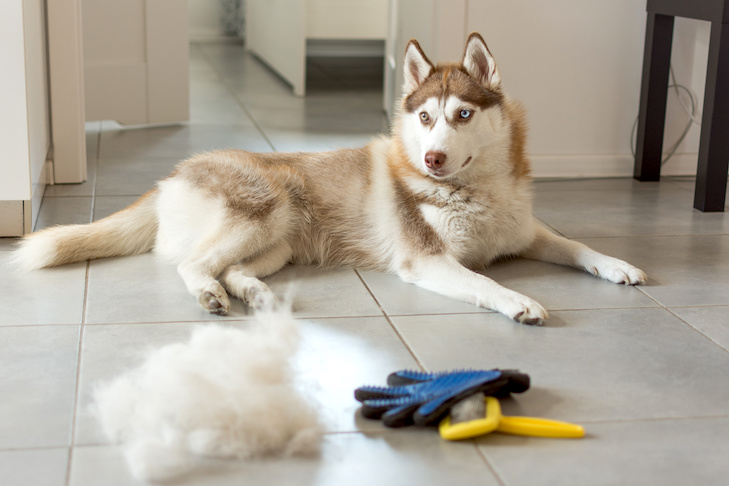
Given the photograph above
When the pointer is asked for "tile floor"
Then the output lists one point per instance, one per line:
(644, 369)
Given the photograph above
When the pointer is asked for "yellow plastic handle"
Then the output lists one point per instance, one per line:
(538, 427)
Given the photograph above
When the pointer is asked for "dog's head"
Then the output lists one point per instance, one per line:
(450, 112)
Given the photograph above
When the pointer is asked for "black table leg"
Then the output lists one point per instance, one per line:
(653, 97)
(711, 176)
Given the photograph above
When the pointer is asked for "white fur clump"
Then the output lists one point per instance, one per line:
(228, 393)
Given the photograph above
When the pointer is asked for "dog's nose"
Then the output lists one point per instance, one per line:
(435, 160)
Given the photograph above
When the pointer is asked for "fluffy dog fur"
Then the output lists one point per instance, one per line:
(227, 393)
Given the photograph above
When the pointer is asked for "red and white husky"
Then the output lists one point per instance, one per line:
(448, 192)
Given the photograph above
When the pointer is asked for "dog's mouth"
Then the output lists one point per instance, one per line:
(437, 173)
(441, 173)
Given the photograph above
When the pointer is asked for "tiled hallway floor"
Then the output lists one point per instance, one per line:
(644, 369)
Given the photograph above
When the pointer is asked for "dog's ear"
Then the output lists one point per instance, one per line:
(416, 68)
(480, 64)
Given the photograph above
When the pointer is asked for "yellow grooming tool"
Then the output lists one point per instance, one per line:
(494, 421)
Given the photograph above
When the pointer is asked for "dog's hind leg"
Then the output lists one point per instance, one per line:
(212, 256)
(552, 248)
(242, 279)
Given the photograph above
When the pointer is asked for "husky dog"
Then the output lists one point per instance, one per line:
(447, 193)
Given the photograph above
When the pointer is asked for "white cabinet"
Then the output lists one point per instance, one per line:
(24, 113)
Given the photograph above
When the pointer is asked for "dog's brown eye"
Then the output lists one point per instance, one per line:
(424, 117)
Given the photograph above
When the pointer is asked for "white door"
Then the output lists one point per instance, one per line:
(136, 60)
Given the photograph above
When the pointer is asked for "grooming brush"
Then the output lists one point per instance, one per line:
(479, 414)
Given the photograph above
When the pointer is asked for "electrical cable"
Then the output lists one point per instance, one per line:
(691, 115)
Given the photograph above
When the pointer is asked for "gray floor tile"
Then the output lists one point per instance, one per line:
(689, 183)
(37, 385)
(682, 270)
(408, 457)
(107, 205)
(319, 292)
(232, 62)
(296, 141)
(612, 184)
(209, 87)
(329, 115)
(144, 288)
(7, 244)
(109, 351)
(585, 365)
(64, 210)
(49, 296)
(199, 63)
(339, 355)
(33, 467)
(711, 321)
(652, 453)
(667, 210)
(224, 111)
(132, 176)
(177, 141)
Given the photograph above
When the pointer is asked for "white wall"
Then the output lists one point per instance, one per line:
(576, 66)
(204, 20)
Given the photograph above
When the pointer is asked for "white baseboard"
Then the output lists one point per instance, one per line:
(12, 218)
(345, 48)
(589, 166)
(212, 36)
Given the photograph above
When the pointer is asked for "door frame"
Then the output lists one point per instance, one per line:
(66, 81)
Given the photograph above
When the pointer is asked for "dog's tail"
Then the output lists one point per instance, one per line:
(130, 231)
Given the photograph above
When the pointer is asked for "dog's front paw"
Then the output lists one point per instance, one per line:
(520, 308)
(618, 271)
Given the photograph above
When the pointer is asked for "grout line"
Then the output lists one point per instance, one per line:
(392, 324)
(691, 326)
(32, 448)
(93, 190)
(654, 419)
(240, 102)
(96, 162)
(76, 397)
(675, 235)
(552, 228)
(699, 331)
(490, 466)
(697, 305)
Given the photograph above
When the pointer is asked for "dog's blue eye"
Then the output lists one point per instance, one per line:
(465, 114)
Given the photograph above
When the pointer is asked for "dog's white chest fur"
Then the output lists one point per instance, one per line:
(478, 225)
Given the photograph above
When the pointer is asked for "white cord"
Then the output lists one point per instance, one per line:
(690, 113)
